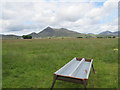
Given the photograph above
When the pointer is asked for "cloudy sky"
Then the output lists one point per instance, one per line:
(85, 16)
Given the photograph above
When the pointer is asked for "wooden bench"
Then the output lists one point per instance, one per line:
(77, 71)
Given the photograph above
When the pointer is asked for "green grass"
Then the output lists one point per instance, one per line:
(31, 63)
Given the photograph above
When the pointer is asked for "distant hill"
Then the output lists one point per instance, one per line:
(9, 36)
(109, 33)
(91, 33)
(52, 32)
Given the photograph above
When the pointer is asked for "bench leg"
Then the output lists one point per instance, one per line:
(93, 69)
(53, 83)
(85, 84)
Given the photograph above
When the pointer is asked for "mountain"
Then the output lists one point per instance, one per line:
(52, 32)
(106, 33)
(109, 33)
(34, 35)
(117, 33)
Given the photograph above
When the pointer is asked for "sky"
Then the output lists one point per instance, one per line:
(22, 17)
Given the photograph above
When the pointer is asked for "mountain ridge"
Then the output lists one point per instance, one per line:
(109, 33)
(54, 32)
(62, 32)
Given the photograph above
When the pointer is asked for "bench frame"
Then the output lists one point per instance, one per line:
(72, 79)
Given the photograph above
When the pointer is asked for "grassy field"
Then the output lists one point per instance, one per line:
(31, 63)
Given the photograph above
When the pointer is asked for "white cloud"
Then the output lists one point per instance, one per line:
(82, 16)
